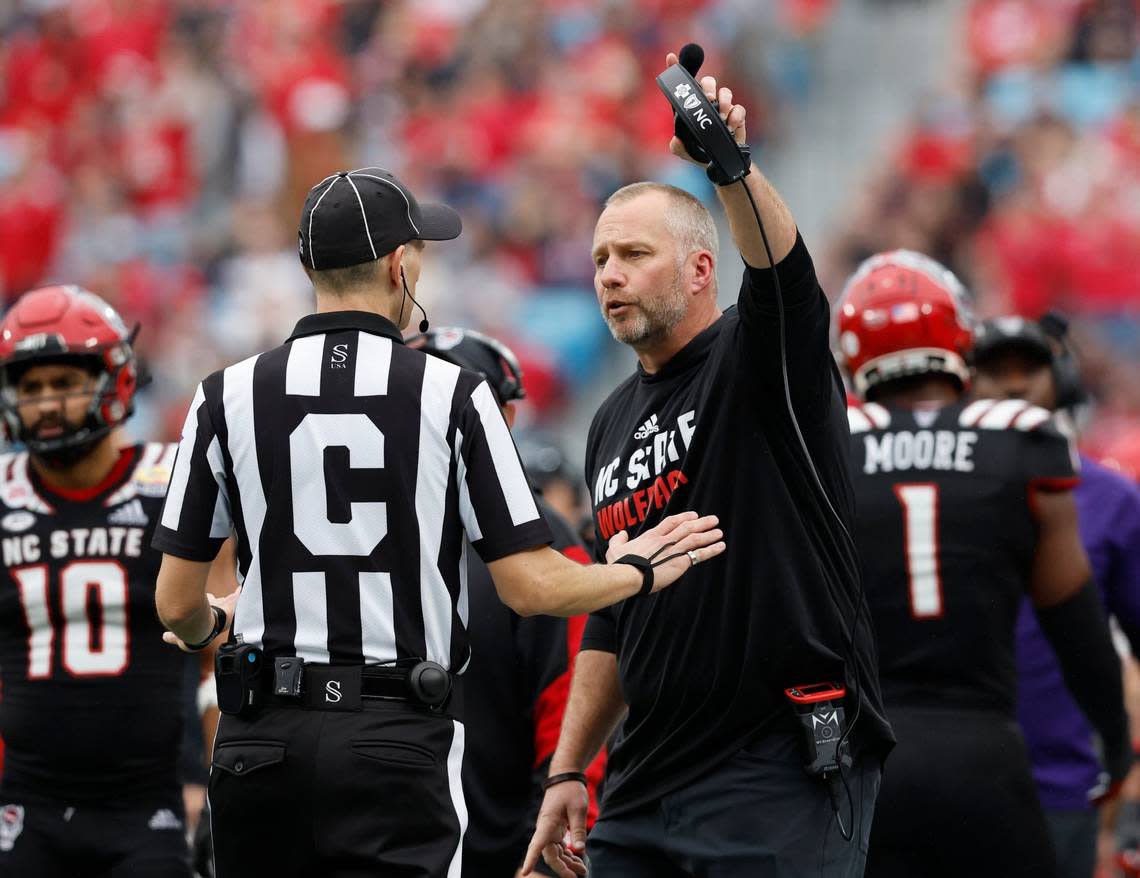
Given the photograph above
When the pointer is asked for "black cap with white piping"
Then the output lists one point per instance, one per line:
(358, 216)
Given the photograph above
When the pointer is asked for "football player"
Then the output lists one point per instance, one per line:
(93, 699)
(1016, 358)
(963, 507)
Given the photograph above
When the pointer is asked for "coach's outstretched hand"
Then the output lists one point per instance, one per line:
(688, 532)
(560, 836)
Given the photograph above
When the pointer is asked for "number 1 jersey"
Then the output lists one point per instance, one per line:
(947, 537)
(92, 701)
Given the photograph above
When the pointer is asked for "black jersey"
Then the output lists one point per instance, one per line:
(704, 664)
(516, 689)
(92, 707)
(947, 539)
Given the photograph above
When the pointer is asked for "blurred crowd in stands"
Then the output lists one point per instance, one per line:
(1023, 175)
(158, 152)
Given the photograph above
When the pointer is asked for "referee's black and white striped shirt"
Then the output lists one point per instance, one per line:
(349, 468)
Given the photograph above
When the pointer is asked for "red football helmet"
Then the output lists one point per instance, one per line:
(902, 313)
(68, 324)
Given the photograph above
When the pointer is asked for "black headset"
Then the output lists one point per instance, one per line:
(1067, 382)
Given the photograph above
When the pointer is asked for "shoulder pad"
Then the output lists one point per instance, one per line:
(1006, 414)
(868, 416)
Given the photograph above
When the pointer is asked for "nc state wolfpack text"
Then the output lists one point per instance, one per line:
(649, 466)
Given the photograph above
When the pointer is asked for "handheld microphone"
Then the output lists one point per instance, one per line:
(691, 57)
(697, 122)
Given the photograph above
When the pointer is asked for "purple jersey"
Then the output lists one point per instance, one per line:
(1060, 739)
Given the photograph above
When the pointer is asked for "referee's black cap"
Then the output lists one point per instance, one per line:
(358, 216)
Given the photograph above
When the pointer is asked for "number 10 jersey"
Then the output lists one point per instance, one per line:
(92, 706)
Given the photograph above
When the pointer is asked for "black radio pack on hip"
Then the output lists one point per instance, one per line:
(238, 674)
(819, 708)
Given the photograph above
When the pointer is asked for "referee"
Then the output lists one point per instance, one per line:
(350, 469)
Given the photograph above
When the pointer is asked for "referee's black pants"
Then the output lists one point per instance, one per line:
(341, 795)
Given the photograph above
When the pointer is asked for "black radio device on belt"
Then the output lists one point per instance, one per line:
(237, 672)
(819, 708)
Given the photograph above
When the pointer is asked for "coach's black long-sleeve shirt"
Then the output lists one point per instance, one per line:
(703, 664)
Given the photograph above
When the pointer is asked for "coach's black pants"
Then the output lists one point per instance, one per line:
(958, 800)
(758, 815)
(340, 795)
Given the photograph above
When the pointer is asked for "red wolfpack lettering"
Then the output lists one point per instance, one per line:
(632, 510)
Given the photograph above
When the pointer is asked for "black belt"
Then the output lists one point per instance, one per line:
(292, 682)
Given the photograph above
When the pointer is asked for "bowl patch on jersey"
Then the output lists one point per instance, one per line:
(152, 481)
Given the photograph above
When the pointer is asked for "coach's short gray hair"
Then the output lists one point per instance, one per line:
(688, 221)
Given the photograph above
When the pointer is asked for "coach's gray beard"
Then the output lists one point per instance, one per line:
(657, 316)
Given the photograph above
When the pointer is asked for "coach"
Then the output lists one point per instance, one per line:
(351, 469)
(707, 777)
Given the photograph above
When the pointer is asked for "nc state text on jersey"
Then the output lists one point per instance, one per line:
(646, 467)
(78, 542)
(647, 462)
(902, 450)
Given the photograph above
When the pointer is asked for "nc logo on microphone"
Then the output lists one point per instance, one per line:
(683, 90)
(332, 692)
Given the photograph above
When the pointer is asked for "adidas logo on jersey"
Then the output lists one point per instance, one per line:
(164, 819)
(647, 428)
(129, 514)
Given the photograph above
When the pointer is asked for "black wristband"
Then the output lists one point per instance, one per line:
(646, 568)
(715, 174)
(219, 626)
(579, 776)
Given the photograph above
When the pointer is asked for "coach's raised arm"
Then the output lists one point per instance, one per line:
(740, 414)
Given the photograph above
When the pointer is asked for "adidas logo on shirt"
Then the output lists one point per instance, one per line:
(129, 514)
(647, 428)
